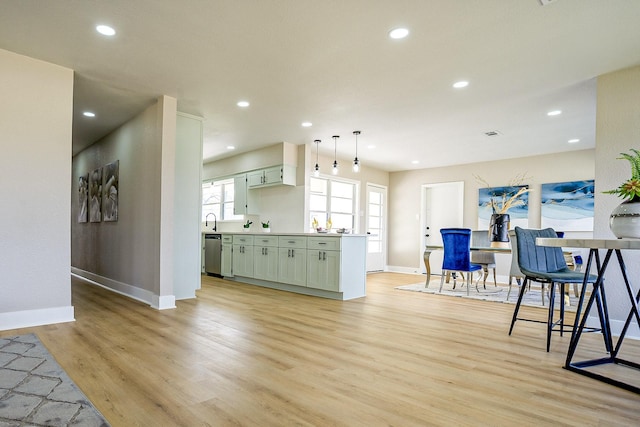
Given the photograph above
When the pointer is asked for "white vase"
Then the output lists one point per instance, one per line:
(266, 230)
(625, 220)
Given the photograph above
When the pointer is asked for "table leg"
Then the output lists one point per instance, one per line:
(425, 255)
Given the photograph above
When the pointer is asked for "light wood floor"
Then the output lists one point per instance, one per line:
(245, 355)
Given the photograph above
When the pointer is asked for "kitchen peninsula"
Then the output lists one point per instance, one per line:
(323, 265)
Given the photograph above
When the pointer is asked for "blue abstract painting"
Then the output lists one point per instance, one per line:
(568, 206)
(519, 215)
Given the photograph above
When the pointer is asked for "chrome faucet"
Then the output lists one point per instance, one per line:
(215, 219)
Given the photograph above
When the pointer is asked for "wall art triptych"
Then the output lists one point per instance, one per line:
(98, 194)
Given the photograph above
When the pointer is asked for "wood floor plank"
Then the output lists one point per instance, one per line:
(250, 356)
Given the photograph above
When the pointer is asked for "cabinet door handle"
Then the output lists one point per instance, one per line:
(266, 251)
(291, 241)
(292, 253)
(324, 256)
(322, 243)
(319, 255)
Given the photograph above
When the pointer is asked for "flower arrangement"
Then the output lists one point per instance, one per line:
(630, 189)
(501, 202)
(247, 224)
(265, 224)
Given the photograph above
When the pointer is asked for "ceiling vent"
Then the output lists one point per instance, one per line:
(492, 133)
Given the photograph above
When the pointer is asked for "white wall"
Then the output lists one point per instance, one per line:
(617, 130)
(186, 232)
(405, 251)
(35, 139)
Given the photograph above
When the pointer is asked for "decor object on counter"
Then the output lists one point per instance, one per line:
(265, 227)
(499, 205)
(567, 206)
(246, 225)
(625, 218)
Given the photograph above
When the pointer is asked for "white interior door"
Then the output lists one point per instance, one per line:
(442, 207)
(376, 227)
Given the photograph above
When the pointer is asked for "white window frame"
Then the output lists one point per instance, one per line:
(328, 211)
(220, 211)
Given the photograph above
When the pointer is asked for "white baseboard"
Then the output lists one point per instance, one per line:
(160, 302)
(163, 302)
(28, 318)
(400, 269)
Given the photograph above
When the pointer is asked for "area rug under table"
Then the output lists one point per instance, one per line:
(35, 391)
(491, 293)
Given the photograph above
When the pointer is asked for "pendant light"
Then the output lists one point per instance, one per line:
(316, 170)
(335, 158)
(356, 162)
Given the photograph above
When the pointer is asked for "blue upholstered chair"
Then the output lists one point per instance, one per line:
(487, 260)
(457, 242)
(544, 264)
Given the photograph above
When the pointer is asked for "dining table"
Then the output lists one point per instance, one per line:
(430, 248)
(612, 249)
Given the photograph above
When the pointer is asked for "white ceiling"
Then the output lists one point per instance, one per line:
(332, 63)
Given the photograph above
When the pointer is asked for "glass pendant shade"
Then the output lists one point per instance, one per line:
(356, 162)
(335, 158)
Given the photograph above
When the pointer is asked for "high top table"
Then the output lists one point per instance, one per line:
(598, 295)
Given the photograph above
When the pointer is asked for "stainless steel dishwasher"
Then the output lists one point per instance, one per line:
(212, 254)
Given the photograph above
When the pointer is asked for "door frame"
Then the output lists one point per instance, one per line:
(456, 194)
(384, 189)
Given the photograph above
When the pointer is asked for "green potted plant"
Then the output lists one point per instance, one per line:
(625, 218)
(265, 227)
(246, 225)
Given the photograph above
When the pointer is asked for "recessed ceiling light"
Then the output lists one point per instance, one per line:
(89, 114)
(573, 141)
(230, 147)
(307, 124)
(398, 33)
(554, 113)
(243, 104)
(460, 84)
(415, 162)
(105, 30)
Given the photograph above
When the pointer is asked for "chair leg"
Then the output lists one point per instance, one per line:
(495, 281)
(469, 282)
(550, 318)
(515, 311)
(442, 280)
(562, 289)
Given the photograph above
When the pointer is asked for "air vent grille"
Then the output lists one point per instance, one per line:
(492, 133)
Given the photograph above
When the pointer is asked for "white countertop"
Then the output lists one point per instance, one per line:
(257, 233)
(590, 243)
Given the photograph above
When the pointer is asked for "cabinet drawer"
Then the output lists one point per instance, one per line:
(265, 240)
(243, 240)
(227, 240)
(328, 243)
(292, 242)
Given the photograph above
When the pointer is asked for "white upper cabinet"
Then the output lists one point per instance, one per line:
(276, 175)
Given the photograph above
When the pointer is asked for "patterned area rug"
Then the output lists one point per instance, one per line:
(492, 293)
(35, 391)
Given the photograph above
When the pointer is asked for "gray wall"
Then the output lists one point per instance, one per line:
(35, 138)
(150, 252)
